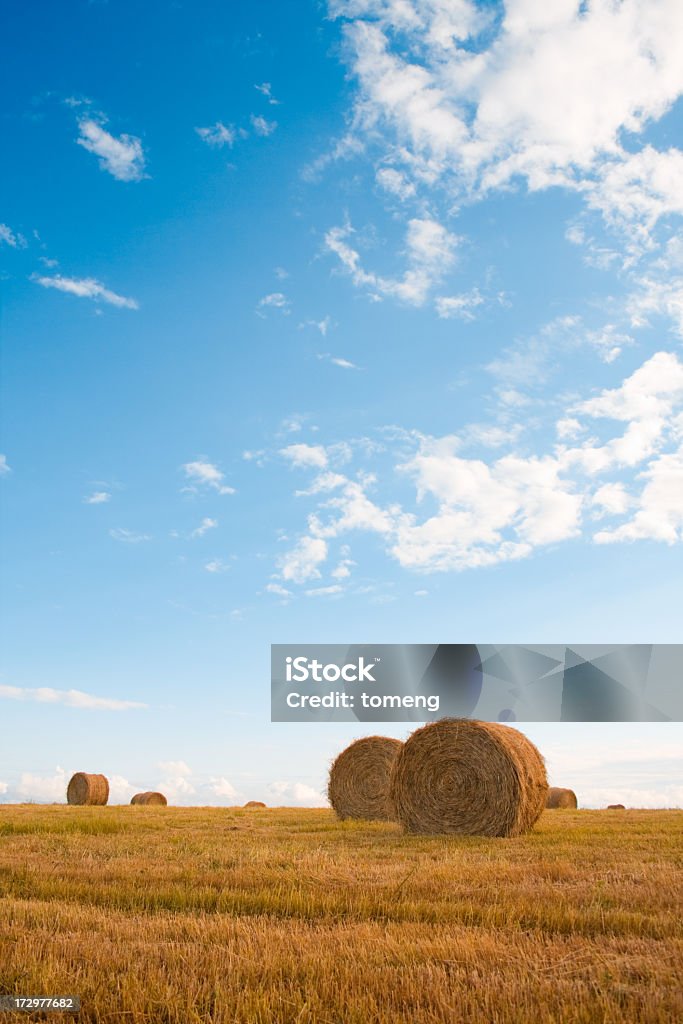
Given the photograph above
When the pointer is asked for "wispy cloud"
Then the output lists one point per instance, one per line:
(204, 527)
(218, 135)
(205, 474)
(86, 288)
(128, 536)
(265, 89)
(97, 498)
(262, 126)
(276, 300)
(70, 698)
(4, 465)
(344, 364)
(9, 237)
(122, 157)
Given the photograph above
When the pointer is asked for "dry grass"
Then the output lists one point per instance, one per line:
(290, 916)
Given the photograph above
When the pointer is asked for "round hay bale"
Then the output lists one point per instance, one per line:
(87, 789)
(561, 799)
(463, 777)
(150, 799)
(254, 803)
(615, 807)
(360, 779)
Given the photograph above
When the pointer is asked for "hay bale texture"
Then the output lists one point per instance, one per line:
(87, 789)
(360, 779)
(561, 799)
(254, 803)
(615, 807)
(463, 777)
(150, 799)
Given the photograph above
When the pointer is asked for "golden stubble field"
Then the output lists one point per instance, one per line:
(182, 915)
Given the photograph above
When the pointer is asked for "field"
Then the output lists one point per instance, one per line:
(223, 915)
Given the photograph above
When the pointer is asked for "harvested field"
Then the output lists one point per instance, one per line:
(287, 916)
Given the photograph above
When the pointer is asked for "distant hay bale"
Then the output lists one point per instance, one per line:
(360, 779)
(150, 799)
(463, 777)
(615, 807)
(561, 799)
(87, 789)
(254, 803)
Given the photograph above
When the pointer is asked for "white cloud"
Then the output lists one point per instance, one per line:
(305, 455)
(222, 787)
(180, 768)
(276, 300)
(429, 252)
(176, 784)
(265, 89)
(128, 536)
(43, 788)
(321, 325)
(4, 786)
(120, 790)
(97, 498)
(469, 111)
(344, 364)
(218, 135)
(70, 698)
(329, 591)
(122, 157)
(461, 306)
(4, 465)
(395, 182)
(206, 524)
(301, 563)
(300, 792)
(205, 474)
(474, 512)
(217, 566)
(9, 237)
(262, 126)
(86, 288)
(278, 590)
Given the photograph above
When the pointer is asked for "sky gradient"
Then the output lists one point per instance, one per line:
(347, 322)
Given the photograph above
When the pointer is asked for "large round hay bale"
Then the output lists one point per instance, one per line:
(615, 807)
(87, 789)
(463, 777)
(360, 779)
(560, 799)
(254, 803)
(150, 799)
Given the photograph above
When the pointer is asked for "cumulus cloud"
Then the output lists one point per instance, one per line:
(201, 473)
(471, 97)
(86, 288)
(69, 698)
(43, 788)
(122, 157)
(305, 455)
(619, 460)
(275, 300)
(262, 126)
(206, 524)
(300, 792)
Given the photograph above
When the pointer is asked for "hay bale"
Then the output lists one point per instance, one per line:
(254, 803)
(615, 807)
(463, 777)
(150, 799)
(561, 799)
(360, 779)
(87, 789)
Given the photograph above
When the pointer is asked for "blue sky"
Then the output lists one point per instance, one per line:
(338, 322)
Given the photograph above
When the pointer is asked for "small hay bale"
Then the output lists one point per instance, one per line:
(561, 799)
(615, 807)
(463, 777)
(254, 803)
(150, 799)
(87, 789)
(360, 779)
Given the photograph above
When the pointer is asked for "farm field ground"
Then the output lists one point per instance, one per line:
(182, 915)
